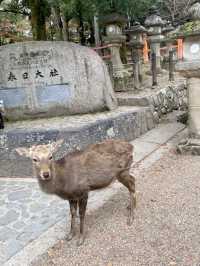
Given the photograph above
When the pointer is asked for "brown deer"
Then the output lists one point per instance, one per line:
(79, 172)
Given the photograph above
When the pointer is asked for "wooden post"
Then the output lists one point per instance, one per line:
(153, 69)
(180, 48)
(145, 52)
(171, 66)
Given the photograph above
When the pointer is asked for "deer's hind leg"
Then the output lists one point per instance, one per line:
(82, 203)
(129, 181)
(73, 209)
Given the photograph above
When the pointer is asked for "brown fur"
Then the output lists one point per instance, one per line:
(78, 173)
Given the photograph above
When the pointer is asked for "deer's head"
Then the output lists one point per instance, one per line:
(42, 158)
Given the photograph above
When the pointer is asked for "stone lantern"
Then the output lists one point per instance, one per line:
(154, 24)
(166, 32)
(167, 28)
(136, 43)
(73, 26)
(168, 40)
(113, 24)
(190, 68)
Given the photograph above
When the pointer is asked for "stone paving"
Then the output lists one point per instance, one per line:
(26, 213)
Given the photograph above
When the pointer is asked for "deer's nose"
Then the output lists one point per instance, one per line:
(46, 175)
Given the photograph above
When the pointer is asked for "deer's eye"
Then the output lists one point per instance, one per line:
(35, 160)
(50, 158)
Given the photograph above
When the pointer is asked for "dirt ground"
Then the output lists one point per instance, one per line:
(166, 230)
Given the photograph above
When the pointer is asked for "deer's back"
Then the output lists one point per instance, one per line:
(98, 165)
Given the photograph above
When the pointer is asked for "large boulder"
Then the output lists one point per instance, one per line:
(43, 79)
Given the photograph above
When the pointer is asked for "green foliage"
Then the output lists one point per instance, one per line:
(134, 9)
(190, 27)
(44, 6)
(75, 8)
(84, 11)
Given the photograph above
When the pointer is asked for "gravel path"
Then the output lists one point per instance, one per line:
(166, 227)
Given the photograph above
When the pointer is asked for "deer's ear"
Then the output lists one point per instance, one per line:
(23, 152)
(56, 144)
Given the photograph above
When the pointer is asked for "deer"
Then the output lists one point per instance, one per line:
(81, 171)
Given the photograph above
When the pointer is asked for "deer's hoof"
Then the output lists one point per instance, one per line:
(70, 236)
(80, 241)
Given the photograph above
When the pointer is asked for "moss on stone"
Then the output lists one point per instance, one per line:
(190, 27)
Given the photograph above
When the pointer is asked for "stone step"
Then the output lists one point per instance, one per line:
(128, 99)
(77, 131)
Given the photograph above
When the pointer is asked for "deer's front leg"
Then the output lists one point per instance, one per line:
(73, 210)
(82, 209)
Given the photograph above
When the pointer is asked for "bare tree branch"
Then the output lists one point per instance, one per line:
(177, 9)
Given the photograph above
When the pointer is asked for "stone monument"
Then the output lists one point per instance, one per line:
(154, 24)
(73, 27)
(45, 79)
(190, 68)
(113, 24)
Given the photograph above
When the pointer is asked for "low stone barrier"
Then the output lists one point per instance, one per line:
(161, 102)
(168, 99)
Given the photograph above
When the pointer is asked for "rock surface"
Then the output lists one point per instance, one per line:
(43, 79)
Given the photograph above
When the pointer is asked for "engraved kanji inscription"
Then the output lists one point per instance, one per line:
(38, 74)
(25, 75)
(11, 77)
(54, 72)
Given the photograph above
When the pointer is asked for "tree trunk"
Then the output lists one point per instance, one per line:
(58, 22)
(38, 20)
(96, 31)
(80, 16)
(65, 28)
(82, 36)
